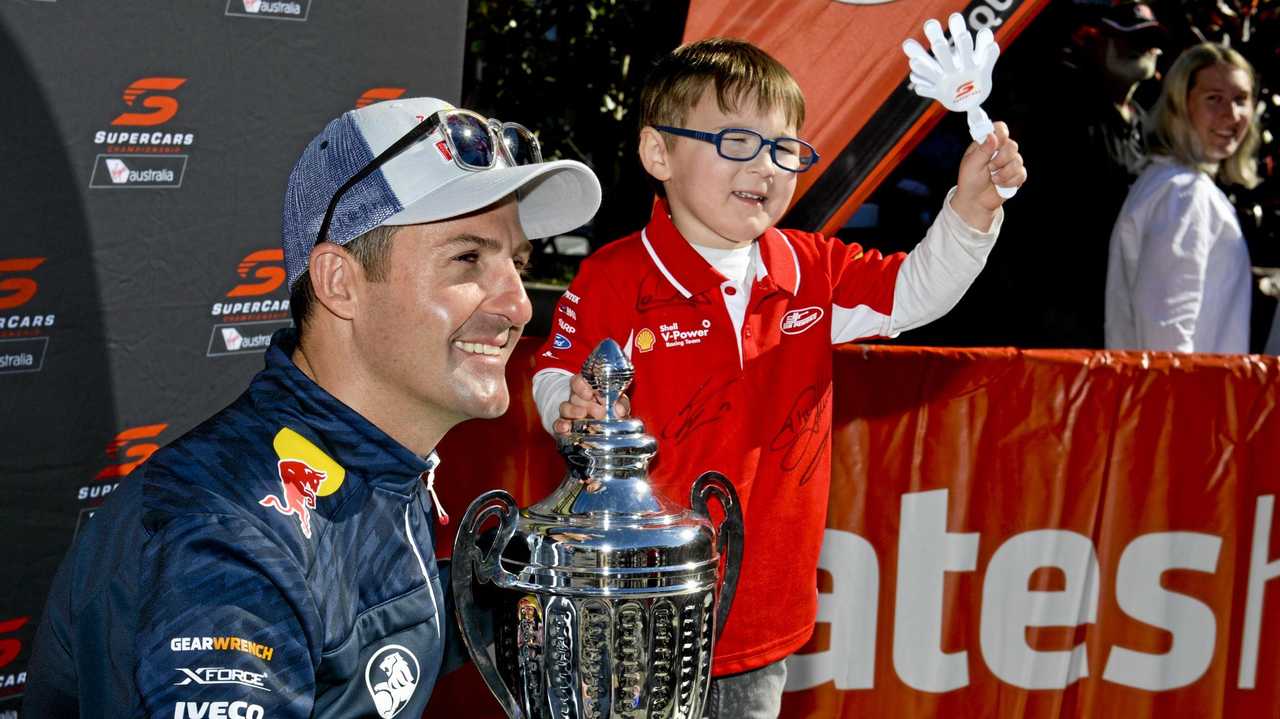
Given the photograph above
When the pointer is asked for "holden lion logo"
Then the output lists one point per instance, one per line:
(391, 677)
(797, 321)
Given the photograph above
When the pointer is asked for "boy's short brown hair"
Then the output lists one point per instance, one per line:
(737, 69)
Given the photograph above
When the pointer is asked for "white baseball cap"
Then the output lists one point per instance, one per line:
(421, 184)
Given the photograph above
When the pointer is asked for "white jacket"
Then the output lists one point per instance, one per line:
(1178, 276)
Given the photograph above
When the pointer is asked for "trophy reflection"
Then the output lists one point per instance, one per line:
(606, 597)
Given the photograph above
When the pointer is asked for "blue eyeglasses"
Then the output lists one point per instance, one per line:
(790, 153)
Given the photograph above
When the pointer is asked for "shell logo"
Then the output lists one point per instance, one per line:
(645, 340)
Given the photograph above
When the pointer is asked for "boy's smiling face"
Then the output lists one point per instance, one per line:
(717, 202)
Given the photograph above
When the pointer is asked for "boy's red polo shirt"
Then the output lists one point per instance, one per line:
(764, 422)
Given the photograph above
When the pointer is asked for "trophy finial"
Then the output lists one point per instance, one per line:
(609, 373)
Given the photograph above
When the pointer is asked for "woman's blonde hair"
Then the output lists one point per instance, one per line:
(1169, 130)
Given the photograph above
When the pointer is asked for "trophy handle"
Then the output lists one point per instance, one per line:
(470, 564)
(728, 535)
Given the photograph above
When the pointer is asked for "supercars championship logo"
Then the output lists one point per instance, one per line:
(128, 449)
(143, 148)
(270, 9)
(253, 309)
(25, 323)
(12, 683)
(378, 94)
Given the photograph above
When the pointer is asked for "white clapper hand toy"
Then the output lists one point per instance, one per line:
(959, 77)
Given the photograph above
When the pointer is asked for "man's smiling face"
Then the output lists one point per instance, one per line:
(438, 330)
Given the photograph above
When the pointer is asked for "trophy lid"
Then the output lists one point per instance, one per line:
(612, 448)
(605, 529)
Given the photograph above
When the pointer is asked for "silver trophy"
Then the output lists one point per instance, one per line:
(606, 603)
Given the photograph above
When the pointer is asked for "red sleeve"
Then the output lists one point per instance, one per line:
(580, 321)
(861, 277)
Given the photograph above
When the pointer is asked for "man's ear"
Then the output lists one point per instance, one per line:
(335, 278)
(654, 155)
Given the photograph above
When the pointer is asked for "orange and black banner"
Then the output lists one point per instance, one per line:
(847, 57)
(1010, 534)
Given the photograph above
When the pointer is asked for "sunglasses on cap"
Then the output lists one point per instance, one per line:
(473, 141)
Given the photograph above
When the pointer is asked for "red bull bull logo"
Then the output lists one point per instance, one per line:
(306, 473)
(300, 482)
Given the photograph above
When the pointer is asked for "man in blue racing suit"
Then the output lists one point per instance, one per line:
(277, 561)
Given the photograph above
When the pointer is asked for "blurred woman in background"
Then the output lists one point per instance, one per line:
(1178, 274)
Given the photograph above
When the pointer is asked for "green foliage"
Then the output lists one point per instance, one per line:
(571, 71)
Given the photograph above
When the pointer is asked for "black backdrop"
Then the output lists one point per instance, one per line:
(144, 148)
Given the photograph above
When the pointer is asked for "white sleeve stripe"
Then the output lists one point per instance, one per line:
(851, 323)
(644, 238)
(794, 258)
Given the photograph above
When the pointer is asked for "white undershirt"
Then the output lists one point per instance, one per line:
(735, 264)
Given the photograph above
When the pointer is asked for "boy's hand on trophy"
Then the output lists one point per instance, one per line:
(995, 162)
(584, 403)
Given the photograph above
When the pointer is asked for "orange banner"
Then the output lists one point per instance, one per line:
(847, 57)
(1011, 534)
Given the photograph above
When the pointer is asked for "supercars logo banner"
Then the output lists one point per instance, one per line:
(378, 94)
(24, 333)
(265, 271)
(11, 683)
(142, 147)
(159, 108)
(129, 449)
(140, 443)
(137, 171)
(17, 291)
(270, 9)
(261, 273)
(253, 309)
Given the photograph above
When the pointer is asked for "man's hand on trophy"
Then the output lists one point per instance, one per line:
(584, 403)
(983, 169)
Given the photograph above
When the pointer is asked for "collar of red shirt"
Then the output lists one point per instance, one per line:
(690, 275)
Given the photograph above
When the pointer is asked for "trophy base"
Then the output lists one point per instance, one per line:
(592, 658)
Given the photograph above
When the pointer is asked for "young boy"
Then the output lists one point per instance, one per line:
(730, 322)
